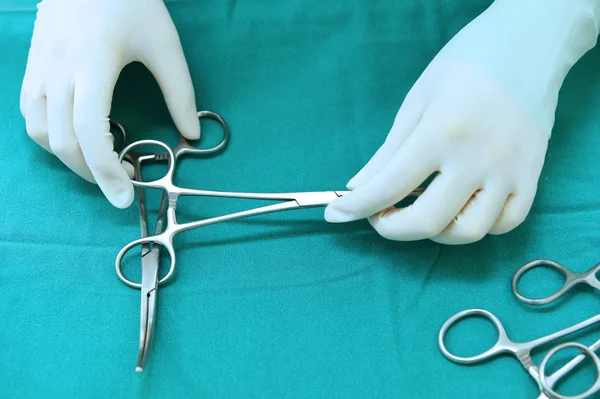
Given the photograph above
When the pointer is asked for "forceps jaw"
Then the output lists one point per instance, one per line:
(150, 266)
(315, 199)
(146, 328)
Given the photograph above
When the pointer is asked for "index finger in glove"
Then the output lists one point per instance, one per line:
(412, 164)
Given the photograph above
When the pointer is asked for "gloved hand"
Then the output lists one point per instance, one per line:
(479, 117)
(78, 50)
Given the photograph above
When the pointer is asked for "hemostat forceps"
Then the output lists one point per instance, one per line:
(298, 200)
(522, 350)
(151, 255)
(164, 237)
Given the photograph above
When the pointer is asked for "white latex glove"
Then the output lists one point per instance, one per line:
(78, 50)
(480, 115)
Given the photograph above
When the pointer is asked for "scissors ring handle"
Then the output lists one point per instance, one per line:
(154, 240)
(546, 263)
(587, 352)
(501, 344)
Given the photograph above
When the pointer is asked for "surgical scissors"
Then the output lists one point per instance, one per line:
(522, 351)
(299, 200)
(571, 279)
(151, 256)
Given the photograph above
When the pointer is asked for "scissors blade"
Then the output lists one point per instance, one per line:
(150, 267)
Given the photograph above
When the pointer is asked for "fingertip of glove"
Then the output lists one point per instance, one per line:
(128, 169)
(335, 215)
(363, 175)
(351, 185)
(358, 180)
(121, 198)
(354, 182)
(190, 127)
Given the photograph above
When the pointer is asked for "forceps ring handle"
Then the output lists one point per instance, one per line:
(154, 240)
(165, 182)
(570, 279)
(122, 131)
(502, 344)
(587, 351)
(184, 147)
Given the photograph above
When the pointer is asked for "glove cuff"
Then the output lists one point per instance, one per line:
(529, 46)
